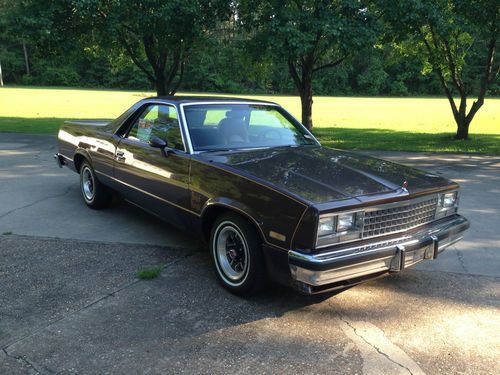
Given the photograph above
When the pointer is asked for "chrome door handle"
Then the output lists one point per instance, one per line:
(120, 156)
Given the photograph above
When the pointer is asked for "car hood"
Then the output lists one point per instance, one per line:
(321, 174)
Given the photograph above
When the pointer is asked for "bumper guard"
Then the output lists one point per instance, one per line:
(374, 258)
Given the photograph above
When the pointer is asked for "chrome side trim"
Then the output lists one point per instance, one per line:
(147, 193)
(61, 162)
(64, 156)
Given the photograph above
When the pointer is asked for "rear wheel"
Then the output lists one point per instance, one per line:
(236, 251)
(95, 194)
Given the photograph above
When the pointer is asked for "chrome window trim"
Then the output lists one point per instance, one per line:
(229, 102)
(158, 102)
(301, 124)
(188, 136)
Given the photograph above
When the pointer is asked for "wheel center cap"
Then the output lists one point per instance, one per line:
(232, 254)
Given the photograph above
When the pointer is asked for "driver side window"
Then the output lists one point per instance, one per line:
(161, 121)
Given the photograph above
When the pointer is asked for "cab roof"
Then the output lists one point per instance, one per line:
(182, 99)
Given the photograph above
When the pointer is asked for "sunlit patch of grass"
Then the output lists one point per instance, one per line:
(152, 272)
(407, 124)
(389, 140)
(30, 125)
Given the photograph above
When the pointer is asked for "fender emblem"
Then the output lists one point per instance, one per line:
(404, 186)
(277, 236)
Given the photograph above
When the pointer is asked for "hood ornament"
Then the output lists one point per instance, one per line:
(404, 186)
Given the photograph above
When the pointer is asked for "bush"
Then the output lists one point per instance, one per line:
(397, 88)
(47, 75)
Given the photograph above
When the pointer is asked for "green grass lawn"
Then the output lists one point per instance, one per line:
(406, 124)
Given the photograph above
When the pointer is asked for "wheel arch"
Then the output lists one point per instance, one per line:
(213, 209)
(79, 157)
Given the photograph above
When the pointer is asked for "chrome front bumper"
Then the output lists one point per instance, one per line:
(375, 257)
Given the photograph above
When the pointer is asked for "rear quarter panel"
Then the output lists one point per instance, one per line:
(95, 142)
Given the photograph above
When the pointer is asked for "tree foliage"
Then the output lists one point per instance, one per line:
(158, 36)
(337, 47)
(456, 39)
(309, 36)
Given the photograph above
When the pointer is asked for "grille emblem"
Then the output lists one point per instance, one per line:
(404, 186)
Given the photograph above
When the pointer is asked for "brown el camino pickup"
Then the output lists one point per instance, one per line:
(270, 201)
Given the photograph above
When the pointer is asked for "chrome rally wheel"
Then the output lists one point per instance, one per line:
(87, 183)
(236, 250)
(232, 253)
(95, 194)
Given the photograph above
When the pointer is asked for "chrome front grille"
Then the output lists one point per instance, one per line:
(399, 217)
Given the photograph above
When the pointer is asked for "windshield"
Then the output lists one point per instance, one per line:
(215, 127)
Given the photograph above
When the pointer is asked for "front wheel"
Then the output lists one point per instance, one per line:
(236, 251)
(95, 194)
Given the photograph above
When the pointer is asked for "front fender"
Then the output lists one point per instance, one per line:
(231, 204)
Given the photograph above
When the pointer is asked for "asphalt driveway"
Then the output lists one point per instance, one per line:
(70, 301)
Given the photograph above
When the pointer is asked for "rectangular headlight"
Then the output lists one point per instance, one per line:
(337, 228)
(346, 222)
(447, 204)
(449, 199)
(326, 226)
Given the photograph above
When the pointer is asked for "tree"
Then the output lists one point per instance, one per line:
(39, 36)
(157, 35)
(310, 36)
(450, 36)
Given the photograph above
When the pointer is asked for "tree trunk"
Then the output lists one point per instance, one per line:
(462, 128)
(306, 98)
(1, 76)
(161, 88)
(26, 59)
(304, 86)
(461, 117)
(307, 102)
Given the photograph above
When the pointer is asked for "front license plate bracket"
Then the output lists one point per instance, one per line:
(405, 258)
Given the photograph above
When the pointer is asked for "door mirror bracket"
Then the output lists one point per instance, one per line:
(157, 142)
(162, 144)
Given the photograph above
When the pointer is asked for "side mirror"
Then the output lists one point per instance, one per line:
(157, 142)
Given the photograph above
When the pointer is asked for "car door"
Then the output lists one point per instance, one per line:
(154, 178)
